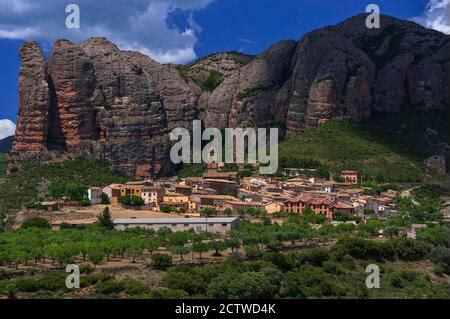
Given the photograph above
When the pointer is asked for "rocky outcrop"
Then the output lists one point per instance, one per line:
(72, 83)
(214, 68)
(99, 102)
(248, 97)
(350, 71)
(104, 103)
(34, 102)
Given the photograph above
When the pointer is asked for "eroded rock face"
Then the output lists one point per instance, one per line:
(72, 81)
(248, 97)
(34, 103)
(104, 103)
(100, 102)
(346, 71)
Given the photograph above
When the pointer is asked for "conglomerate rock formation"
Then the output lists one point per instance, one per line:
(96, 101)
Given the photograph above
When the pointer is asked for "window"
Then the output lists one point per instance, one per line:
(224, 225)
(174, 225)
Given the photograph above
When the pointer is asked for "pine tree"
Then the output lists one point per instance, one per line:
(105, 219)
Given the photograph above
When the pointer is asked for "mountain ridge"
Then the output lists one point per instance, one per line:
(96, 101)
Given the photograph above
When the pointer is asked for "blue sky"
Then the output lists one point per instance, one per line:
(178, 30)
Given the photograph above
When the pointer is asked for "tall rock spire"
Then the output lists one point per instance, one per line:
(34, 102)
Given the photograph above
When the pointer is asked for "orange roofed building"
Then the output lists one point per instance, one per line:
(323, 205)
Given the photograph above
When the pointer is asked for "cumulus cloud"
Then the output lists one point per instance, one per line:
(435, 16)
(139, 25)
(7, 128)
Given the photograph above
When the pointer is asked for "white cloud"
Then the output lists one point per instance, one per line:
(7, 128)
(435, 16)
(140, 25)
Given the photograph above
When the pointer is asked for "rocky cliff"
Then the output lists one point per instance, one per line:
(345, 71)
(96, 101)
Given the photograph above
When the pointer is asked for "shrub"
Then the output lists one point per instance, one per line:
(85, 202)
(245, 172)
(345, 228)
(332, 267)
(52, 282)
(86, 269)
(36, 222)
(33, 205)
(228, 211)
(253, 252)
(275, 246)
(168, 294)
(441, 269)
(247, 285)
(208, 211)
(161, 261)
(360, 248)
(168, 209)
(26, 285)
(93, 279)
(435, 235)
(212, 81)
(66, 226)
(440, 256)
(280, 260)
(409, 249)
(348, 262)
(399, 279)
(64, 188)
(105, 199)
(315, 256)
(185, 278)
(309, 282)
(309, 216)
(96, 256)
(109, 287)
(131, 201)
(134, 287)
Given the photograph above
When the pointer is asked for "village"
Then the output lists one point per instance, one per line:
(217, 201)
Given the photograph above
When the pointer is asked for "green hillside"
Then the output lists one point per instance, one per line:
(3, 164)
(35, 179)
(339, 145)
